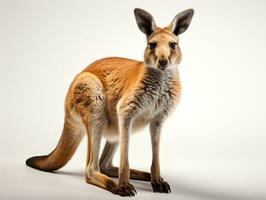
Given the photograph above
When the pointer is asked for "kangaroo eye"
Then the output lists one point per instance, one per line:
(173, 45)
(152, 45)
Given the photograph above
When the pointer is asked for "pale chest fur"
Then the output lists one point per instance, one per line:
(155, 95)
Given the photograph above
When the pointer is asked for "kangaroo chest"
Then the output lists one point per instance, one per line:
(158, 94)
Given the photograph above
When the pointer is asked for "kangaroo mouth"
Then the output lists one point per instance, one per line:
(162, 67)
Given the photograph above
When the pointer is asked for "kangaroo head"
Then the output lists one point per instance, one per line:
(162, 51)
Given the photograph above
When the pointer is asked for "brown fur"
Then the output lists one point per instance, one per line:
(113, 97)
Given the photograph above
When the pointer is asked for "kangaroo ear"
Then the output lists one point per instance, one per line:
(181, 21)
(145, 21)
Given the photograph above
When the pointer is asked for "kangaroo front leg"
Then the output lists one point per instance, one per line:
(157, 182)
(124, 187)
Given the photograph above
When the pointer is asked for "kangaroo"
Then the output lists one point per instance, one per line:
(112, 98)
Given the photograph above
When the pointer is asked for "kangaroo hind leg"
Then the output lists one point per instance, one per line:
(93, 174)
(90, 102)
(106, 164)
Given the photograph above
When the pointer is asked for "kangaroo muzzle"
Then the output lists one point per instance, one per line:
(162, 63)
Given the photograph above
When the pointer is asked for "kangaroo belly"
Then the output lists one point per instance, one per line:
(111, 132)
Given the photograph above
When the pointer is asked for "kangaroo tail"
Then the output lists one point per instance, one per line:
(66, 147)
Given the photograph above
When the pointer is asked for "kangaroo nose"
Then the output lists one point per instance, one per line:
(163, 62)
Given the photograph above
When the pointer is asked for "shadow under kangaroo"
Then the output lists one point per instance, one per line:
(189, 190)
(114, 97)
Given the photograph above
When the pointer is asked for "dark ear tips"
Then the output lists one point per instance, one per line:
(137, 10)
(191, 11)
(140, 12)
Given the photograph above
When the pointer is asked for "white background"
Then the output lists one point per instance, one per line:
(214, 144)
